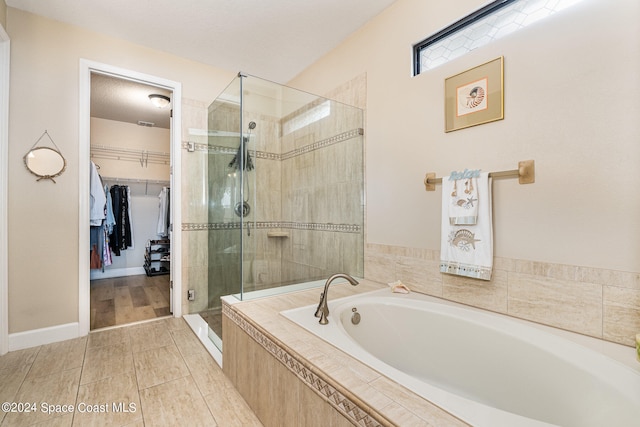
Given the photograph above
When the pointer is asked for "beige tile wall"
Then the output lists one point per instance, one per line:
(194, 206)
(286, 190)
(274, 393)
(596, 302)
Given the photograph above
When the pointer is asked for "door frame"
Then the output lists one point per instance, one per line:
(84, 295)
(4, 188)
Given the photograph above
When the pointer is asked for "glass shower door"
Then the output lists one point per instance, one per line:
(225, 183)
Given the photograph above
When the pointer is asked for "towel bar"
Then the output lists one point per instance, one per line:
(526, 175)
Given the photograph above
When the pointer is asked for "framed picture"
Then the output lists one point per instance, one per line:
(475, 96)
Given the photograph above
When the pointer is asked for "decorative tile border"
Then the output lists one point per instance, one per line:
(336, 399)
(311, 226)
(323, 143)
(344, 136)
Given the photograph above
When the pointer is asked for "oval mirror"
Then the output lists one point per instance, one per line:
(45, 163)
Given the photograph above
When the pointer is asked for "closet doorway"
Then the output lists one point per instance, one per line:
(130, 240)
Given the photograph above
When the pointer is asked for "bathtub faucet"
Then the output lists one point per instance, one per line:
(323, 309)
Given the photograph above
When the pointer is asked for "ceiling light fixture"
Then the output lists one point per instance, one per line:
(159, 101)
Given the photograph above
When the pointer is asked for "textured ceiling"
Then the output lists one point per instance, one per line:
(126, 101)
(271, 39)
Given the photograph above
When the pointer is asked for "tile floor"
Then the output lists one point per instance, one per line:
(150, 374)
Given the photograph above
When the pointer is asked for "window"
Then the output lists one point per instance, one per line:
(493, 21)
(306, 118)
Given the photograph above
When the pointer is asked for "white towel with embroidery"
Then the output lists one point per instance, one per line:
(463, 201)
(467, 250)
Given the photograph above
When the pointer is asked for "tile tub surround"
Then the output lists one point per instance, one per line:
(285, 373)
(596, 302)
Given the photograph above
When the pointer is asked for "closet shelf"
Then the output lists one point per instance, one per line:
(164, 183)
(127, 154)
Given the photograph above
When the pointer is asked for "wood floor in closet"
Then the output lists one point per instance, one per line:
(123, 300)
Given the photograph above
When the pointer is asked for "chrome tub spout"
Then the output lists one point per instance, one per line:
(323, 309)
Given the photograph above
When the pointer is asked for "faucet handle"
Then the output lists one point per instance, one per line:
(318, 312)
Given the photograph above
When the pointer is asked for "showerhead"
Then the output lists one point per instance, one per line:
(252, 125)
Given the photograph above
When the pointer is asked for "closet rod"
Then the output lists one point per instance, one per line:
(117, 153)
(127, 150)
(525, 173)
(137, 181)
(143, 160)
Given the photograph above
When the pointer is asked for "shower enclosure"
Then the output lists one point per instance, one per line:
(285, 193)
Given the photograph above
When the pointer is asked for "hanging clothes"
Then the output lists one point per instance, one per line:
(96, 236)
(121, 237)
(164, 216)
(97, 196)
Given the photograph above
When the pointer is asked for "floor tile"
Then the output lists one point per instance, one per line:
(113, 401)
(20, 357)
(57, 390)
(108, 337)
(230, 410)
(159, 365)
(107, 361)
(58, 357)
(175, 403)
(10, 382)
(187, 342)
(209, 377)
(149, 335)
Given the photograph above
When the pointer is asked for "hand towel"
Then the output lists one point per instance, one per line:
(467, 250)
(463, 200)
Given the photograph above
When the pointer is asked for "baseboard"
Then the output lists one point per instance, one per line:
(116, 272)
(36, 337)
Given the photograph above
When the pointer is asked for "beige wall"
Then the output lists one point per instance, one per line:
(129, 136)
(571, 89)
(43, 217)
(3, 14)
(571, 84)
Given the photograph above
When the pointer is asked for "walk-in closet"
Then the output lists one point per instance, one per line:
(130, 212)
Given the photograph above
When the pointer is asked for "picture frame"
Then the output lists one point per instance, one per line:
(475, 96)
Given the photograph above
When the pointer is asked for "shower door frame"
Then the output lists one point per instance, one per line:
(86, 69)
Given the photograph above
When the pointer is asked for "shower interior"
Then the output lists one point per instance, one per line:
(285, 193)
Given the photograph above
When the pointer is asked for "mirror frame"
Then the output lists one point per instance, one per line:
(40, 175)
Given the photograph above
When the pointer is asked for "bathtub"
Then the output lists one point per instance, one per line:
(484, 368)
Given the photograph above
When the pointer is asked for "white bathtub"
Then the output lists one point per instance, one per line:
(487, 369)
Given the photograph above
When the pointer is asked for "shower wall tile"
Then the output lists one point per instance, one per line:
(223, 117)
(194, 187)
(195, 248)
(268, 190)
(195, 278)
(597, 302)
(267, 134)
(194, 119)
(353, 92)
(320, 185)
